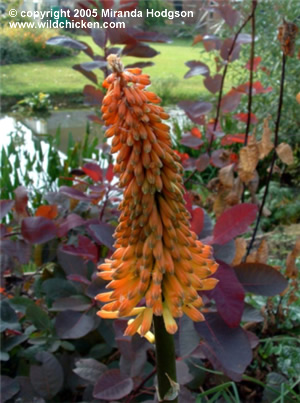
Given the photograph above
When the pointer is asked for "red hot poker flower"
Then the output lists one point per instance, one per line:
(159, 265)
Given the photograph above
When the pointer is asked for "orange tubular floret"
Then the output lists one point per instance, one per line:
(158, 263)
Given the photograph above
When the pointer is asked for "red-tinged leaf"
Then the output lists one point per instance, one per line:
(233, 138)
(243, 117)
(93, 171)
(5, 207)
(79, 279)
(191, 141)
(99, 36)
(188, 202)
(196, 132)
(230, 101)
(95, 64)
(88, 74)
(49, 211)
(9, 388)
(213, 84)
(182, 371)
(233, 222)
(196, 69)
(15, 250)
(128, 5)
(139, 50)
(86, 249)
(112, 386)
(227, 348)
(256, 62)
(47, 379)
(197, 220)
(212, 131)
(73, 325)
(133, 355)
(67, 42)
(38, 229)
(75, 193)
(260, 279)
(195, 110)
(77, 303)
(219, 158)
(257, 88)
(202, 162)
(253, 339)
(228, 294)
(109, 175)
(211, 42)
(72, 221)
(21, 200)
(107, 3)
(229, 14)
(102, 233)
(148, 36)
(120, 36)
(225, 252)
(187, 336)
(197, 39)
(226, 52)
(141, 65)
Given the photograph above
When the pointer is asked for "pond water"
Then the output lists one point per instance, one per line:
(22, 134)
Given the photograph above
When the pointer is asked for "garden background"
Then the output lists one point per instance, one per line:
(229, 79)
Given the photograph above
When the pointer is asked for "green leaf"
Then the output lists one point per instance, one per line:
(38, 317)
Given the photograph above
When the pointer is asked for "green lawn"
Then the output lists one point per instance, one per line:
(58, 77)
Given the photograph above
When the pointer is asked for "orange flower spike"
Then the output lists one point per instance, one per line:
(159, 265)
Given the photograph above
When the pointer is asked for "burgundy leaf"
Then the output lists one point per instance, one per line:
(227, 348)
(197, 220)
(243, 117)
(72, 221)
(191, 141)
(133, 355)
(183, 374)
(120, 36)
(195, 110)
(38, 229)
(47, 379)
(225, 252)
(9, 387)
(228, 294)
(202, 162)
(260, 279)
(99, 36)
(5, 207)
(88, 74)
(253, 339)
(139, 50)
(226, 48)
(79, 279)
(76, 303)
(109, 174)
(93, 171)
(149, 36)
(187, 338)
(86, 249)
(257, 88)
(196, 69)
(233, 222)
(73, 325)
(107, 3)
(71, 264)
(74, 193)
(229, 14)
(211, 42)
(141, 65)
(112, 386)
(233, 138)
(219, 158)
(90, 66)
(213, 84)
(16, 249)
(103, 234)
(230, 101)
(66, 42)
(256, 62)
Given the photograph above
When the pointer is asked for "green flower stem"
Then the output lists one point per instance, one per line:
(165, 358)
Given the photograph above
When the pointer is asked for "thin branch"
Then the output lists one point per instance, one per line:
(222, 85)
(139, 387)
(274, 156)
(254, 4)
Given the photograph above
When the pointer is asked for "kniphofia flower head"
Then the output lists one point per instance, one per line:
(159, 264)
